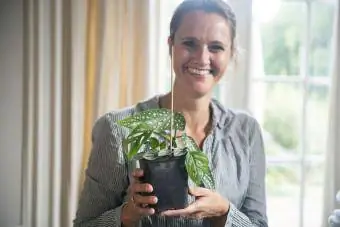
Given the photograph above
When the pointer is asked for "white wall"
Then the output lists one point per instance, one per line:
(11, 110)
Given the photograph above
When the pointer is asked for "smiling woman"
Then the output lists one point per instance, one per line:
(202, 51)
(201, 45)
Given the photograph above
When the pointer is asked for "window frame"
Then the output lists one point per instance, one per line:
(302, 158)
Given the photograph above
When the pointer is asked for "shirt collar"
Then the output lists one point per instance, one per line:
(219, 114)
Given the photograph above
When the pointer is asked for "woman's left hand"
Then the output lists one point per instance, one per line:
(208, 204)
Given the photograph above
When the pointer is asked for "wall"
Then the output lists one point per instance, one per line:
(11, 110)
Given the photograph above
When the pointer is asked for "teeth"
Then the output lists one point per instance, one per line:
(199, 72)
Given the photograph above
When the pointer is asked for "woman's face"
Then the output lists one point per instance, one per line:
(202, 50)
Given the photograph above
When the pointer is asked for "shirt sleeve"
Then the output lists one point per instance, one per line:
(106, 179)
(253, 210)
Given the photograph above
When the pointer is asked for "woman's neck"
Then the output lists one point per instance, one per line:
(195, 111)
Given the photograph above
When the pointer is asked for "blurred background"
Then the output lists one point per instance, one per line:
(64, 63)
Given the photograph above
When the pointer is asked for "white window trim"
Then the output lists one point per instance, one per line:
(302, 158)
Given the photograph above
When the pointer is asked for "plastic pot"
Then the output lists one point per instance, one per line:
(169, 179)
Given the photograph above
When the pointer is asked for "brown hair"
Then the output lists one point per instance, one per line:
(210, 6)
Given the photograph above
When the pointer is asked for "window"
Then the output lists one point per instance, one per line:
(290, 86)
(291, 58)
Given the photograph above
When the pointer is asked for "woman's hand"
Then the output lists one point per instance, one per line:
(208, 204)
(136, 207)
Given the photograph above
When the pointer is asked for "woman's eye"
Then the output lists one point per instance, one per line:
(189, 44)
(216, 48)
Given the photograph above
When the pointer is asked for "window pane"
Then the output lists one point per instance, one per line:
(317, 119)
(283, 190)
(313, 202)
(282, 39)
(322, 18)
(278, 108)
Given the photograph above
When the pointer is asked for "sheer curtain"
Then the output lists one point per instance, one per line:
(117, 60)
(332, 177)
(235, 86)
(53, 101)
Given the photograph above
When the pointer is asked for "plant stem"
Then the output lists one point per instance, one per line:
(172, 95)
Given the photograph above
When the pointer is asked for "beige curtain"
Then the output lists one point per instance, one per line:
(82, 59)
(53, 103)
(117, 62)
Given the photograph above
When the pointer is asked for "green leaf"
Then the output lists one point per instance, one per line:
(189, 143)
(137, 143)
(208, 180)
(192, 168)
(139, 156)
(197, 165)
(137, 132)
(125, 146)
(179, 152)
(154, 143)
(155, 119)
(179, 142)
(133, 149)
(162, 145)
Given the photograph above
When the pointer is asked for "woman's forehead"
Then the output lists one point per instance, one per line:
(204, 26)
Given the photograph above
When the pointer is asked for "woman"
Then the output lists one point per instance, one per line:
(202, 40)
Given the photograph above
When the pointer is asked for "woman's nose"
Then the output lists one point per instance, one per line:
(203, 56)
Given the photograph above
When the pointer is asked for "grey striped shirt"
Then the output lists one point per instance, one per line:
(236, 157)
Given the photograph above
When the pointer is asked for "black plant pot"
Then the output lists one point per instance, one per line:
(169, 179)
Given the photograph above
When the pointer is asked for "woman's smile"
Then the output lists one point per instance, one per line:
(200, 74)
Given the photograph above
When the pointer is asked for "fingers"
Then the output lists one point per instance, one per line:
(131, 213)
(177, 213)
(136, 186)
(198, 191)
(139, 199)
(137, 173)
(141, 204)
(139, 188)
(197, 215)
(188, 211)
(137, 205)
(194, 209)
(145, 211)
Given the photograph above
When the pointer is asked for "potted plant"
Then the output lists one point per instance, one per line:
(167, 159)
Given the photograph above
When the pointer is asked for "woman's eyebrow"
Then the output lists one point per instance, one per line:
(217, 42)
(190, 38)
(214, 42)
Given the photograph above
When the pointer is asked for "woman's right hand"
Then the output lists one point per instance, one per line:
(136, 207)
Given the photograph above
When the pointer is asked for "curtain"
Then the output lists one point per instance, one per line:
(332, 177)
(82, 59)
(235, 85)
(53, 100)
(117, 60)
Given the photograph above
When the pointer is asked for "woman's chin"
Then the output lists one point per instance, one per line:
(194, 88)
(199, 92)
